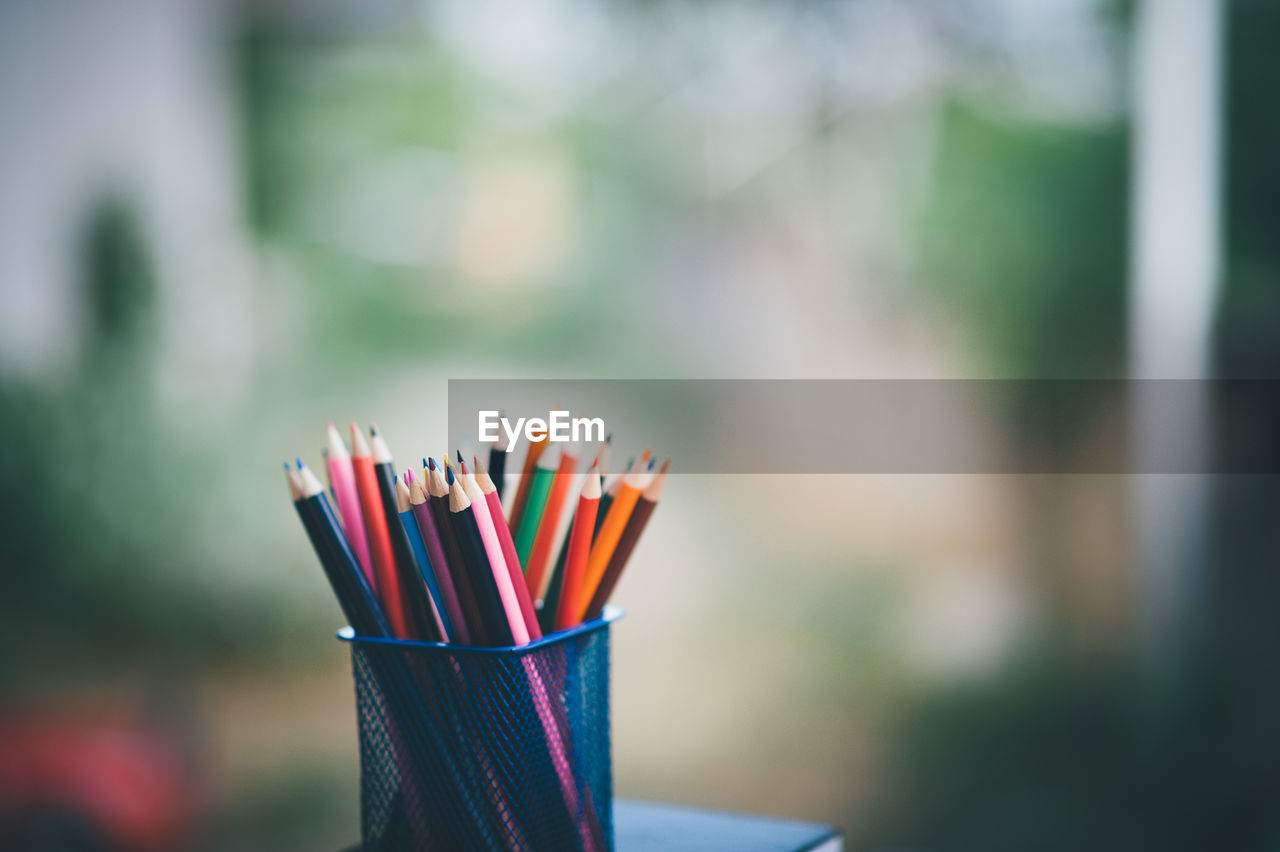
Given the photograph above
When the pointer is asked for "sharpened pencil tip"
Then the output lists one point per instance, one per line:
(373, 428)
(299, 461)
(460, 461)
(448, 475)
(608, 439)
(431, 463)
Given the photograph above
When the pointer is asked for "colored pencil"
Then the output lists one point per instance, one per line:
(535, 504)
(375, 523)
(423, 621)
(489, 490)
(584, 521)
(328, 478)
(535, 569)
(606, 541)
(531, 456)
(346, 577)
(463, 513)
(498, 463)
(433, 608)
(550, 602)
(622, 554)
(343, 478)
(438, 496)
(438, 578)
(463, 517)
(493, 553)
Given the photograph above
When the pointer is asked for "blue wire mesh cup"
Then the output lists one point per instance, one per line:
(485, 748)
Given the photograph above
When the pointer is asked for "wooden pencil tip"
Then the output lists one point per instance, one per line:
(448, 475)
(359, 444)
(460, 461)
(296, 486)
(429, 462)
(336, 447)
(591, 486)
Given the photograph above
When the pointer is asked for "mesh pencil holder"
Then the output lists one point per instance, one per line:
(485, 748)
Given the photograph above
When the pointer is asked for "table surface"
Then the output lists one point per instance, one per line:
(660, 827)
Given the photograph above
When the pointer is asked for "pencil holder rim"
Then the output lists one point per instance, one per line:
(610, 614)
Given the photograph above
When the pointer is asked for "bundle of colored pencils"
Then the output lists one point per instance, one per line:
(432, 555)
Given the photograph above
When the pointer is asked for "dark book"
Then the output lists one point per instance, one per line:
(651, 826)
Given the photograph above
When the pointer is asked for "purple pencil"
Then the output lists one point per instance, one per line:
(439, 565)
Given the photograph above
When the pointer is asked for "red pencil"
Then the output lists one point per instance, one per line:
(575, 566)
(375, 524)
(535, 571)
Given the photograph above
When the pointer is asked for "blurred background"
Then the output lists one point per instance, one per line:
(224, 223)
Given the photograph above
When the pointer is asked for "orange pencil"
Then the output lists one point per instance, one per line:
(535, 570)
(572, 601)
(606, 541)
(375, 524)
(635, 528)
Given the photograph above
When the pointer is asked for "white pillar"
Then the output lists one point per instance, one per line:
(1175, 259)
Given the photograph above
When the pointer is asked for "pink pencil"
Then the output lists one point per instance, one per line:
(343, 479)
(493, 550)
(508, 550)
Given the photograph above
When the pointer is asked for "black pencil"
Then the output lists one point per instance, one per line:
(479, 571)
(438, 497)
(336, 557)
(498, 463)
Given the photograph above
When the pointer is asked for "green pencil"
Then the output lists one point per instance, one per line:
(544, 474)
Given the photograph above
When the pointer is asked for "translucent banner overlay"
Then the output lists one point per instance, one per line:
(908, 426)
